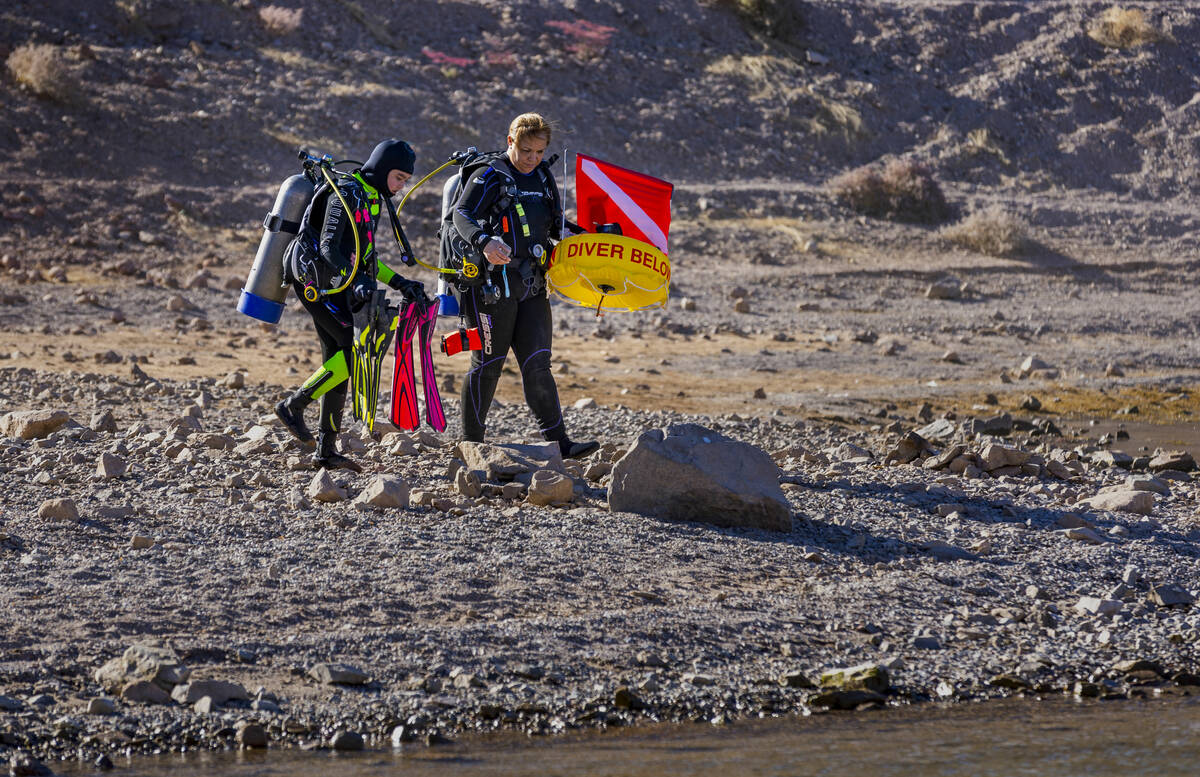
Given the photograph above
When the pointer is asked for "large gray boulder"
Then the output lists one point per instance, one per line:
(689, 473)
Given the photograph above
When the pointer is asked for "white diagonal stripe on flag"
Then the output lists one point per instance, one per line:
(639, 217)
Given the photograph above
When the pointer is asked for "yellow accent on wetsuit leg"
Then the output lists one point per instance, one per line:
(332, 373)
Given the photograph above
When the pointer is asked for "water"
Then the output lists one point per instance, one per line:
(1001, 739)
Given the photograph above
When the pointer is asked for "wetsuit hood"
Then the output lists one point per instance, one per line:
(388, 156)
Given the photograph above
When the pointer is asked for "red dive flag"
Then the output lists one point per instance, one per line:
(606, 194)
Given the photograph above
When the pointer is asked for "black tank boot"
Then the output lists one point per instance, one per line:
(291, 412)
(577, 450)
(327, 456)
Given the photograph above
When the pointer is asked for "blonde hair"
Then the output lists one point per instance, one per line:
(529, 124)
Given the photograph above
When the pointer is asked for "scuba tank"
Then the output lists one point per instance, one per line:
(262, 296)
(447, 301)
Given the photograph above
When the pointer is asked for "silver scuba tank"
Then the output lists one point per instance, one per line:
(263, 295)
(447, 301)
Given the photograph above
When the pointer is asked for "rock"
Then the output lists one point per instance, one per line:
(384, 492)
(943, 459)
(103, 763)
(234, 380)
(9, 704)
(926, 643)
(346, 741)
(910, 446)
(1093, 605)
(944, 551)
(1010, 681)
(338, 674)
(699, 679)
(626, 699)
(145, 692)
(466, 482)
(59, 510)
(1139, 665)
(996, 425)
(507, 462)
(1111, 459)
(111, 466)
(1031, 364)
(252, 735)
(1171, 595)
(1126, 501)
(142, 662)
(1032, 404)
(796, 680)
(995, 456)
(585, 403)
(689, 473)
(32, 424)
(1179, 461)
(846, 700)
(869, 677)
(1072, 521)
(1147, 483)
(220, 691)
(1084, 534)
(323, 488)
(103, 422)
(1113, 370)
(945, 288)
(102, 705)
(941, 429)
(550, 488)
(25, 765)
(141, 542)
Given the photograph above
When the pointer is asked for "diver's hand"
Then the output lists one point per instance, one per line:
(496, 252)
(362, 291)
(412, 291)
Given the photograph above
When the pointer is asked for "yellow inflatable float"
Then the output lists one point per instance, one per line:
(610, 271)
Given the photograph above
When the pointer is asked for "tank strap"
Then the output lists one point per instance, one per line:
(276, 223)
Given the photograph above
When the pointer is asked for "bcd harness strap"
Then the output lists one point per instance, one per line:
(273, 222)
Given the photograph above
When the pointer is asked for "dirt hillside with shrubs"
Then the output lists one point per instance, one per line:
(181, 117)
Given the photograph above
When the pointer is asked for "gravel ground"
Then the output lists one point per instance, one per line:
(491, 613)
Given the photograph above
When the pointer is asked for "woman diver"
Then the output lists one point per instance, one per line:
(508, 211)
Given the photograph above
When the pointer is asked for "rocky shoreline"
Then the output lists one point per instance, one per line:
(951, 558)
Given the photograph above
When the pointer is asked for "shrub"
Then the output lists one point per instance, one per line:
(780, 19)
(1123, 28)
(993, 231)
(279, 20)
(40, 68)
(904, 190)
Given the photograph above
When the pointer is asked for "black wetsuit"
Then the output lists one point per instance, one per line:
(520, 319)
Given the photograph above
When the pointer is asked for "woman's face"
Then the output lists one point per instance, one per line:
(526, 154)
(396, 180)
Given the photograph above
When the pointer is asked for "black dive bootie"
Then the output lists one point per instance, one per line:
(577, 450)
(327, 456)
(291, 413)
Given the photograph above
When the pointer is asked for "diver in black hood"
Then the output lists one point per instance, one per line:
(333, 266)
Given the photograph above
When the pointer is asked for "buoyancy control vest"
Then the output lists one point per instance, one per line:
(498, 213)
